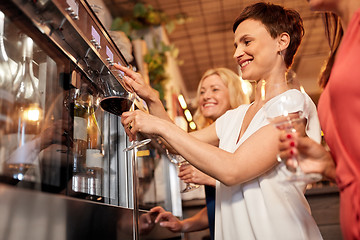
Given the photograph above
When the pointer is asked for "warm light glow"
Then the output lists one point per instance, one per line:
(188, 115)
(182, 101)
(263, 90)
(32, 114)
(302, 89)
(97, 101)
(246, 87)
(192, 125)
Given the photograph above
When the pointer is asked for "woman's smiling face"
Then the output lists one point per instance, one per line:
(214, 98)
(256, 51)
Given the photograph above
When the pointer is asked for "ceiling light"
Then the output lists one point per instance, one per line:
(182, 101)
(188, 116)
(192, 125)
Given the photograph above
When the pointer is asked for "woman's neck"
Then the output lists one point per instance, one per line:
(265, 88)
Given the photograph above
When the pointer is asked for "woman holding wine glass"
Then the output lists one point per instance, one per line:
(239, 150)
(339, 113)
(219, 90)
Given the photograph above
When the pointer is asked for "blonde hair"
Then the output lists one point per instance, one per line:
(236, 93)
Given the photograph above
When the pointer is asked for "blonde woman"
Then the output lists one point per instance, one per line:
(219, 90)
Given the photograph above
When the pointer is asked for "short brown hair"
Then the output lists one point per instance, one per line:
(277, 20)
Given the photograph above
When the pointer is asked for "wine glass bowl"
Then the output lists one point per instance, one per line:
(116, 104)
(120, 97)
(287, 110)
(178, 160)
(116, 98)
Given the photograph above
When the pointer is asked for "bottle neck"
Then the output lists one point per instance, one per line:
(3, 55)
(2, 23)
(25, 84)
(27, 48)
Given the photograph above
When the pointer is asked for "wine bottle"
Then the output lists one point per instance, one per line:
(28, 109)
(82, 104)
(27, 115)
(94, 156)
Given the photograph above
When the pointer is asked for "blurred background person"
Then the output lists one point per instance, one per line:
(219, 90)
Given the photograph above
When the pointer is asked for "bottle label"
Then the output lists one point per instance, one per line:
(94, 158)
(80, 125)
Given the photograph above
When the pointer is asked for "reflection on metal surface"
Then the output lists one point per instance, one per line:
(64, 58)
(34, 215)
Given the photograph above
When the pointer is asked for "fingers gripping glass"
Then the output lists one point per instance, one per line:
(117, 100)
(178, 160)
(286, 110)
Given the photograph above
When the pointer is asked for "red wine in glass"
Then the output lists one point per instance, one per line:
(116, 104)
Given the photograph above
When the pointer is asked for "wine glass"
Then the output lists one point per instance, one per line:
(117, 101)
(178, 160)
(136, 143)
(286, 109)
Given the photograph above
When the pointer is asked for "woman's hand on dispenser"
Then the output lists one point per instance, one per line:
(136, 81)
(144, 91)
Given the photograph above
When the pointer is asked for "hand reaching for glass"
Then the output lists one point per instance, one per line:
(167, 219)
(146, 222)
(190, 174)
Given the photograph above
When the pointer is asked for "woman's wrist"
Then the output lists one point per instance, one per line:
(163, 128)
(186, 225)
(153, 100)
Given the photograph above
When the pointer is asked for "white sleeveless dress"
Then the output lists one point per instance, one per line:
(264, 208)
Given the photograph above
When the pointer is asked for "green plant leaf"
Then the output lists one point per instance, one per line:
(139, 10)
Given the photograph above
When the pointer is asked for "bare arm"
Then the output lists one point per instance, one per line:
(245, 164)
(197, 222)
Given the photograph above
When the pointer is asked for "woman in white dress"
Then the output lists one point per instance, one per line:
(240, 148)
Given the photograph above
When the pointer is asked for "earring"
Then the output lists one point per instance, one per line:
(281, 54)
